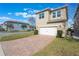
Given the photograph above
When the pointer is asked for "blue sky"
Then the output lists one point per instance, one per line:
(22, 11)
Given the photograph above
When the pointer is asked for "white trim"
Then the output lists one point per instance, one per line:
(48, 26)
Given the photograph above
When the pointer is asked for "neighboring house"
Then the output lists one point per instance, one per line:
(15, 26)
(48, 21)
(76, 23)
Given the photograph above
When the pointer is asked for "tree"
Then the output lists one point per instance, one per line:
(9, 26)
(24, 26)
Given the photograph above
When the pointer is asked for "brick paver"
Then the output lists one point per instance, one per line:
(26, 46)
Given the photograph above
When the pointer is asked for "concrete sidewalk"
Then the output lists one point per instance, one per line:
(1, 51)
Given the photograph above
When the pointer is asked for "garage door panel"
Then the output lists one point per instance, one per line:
(48, 31)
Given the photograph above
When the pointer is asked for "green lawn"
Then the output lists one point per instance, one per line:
(60, 47)
(16, 36)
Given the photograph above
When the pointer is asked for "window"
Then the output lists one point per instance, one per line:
(41, 15)
(54, 14)
(58, 13)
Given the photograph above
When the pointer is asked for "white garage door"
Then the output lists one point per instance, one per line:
(48, 31)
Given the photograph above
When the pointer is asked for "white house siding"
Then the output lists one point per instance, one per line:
(17, 27)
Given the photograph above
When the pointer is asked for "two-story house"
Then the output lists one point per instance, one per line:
(48, 21)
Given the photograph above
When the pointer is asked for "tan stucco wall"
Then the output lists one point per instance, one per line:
(41, 22)
(63, 15)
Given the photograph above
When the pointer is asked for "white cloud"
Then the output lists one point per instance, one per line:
(9, 13)
(31, 10)
(27, 16)
(29, 13)
(24, 14)
(20, 13)
(52, 9)
(36, 11)
(4, 18)
(25, 9)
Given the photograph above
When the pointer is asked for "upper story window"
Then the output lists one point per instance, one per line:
(41, 15)
(54, 14)
(58, 13)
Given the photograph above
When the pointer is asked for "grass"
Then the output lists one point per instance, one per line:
(60, 47)
(16, 36)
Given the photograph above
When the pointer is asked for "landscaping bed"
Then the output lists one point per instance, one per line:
(16, 36)
(60, 47)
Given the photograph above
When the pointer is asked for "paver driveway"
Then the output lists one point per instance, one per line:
(25, 46)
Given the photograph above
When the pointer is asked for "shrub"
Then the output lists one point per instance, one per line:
(59, 33)
(35, 32)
